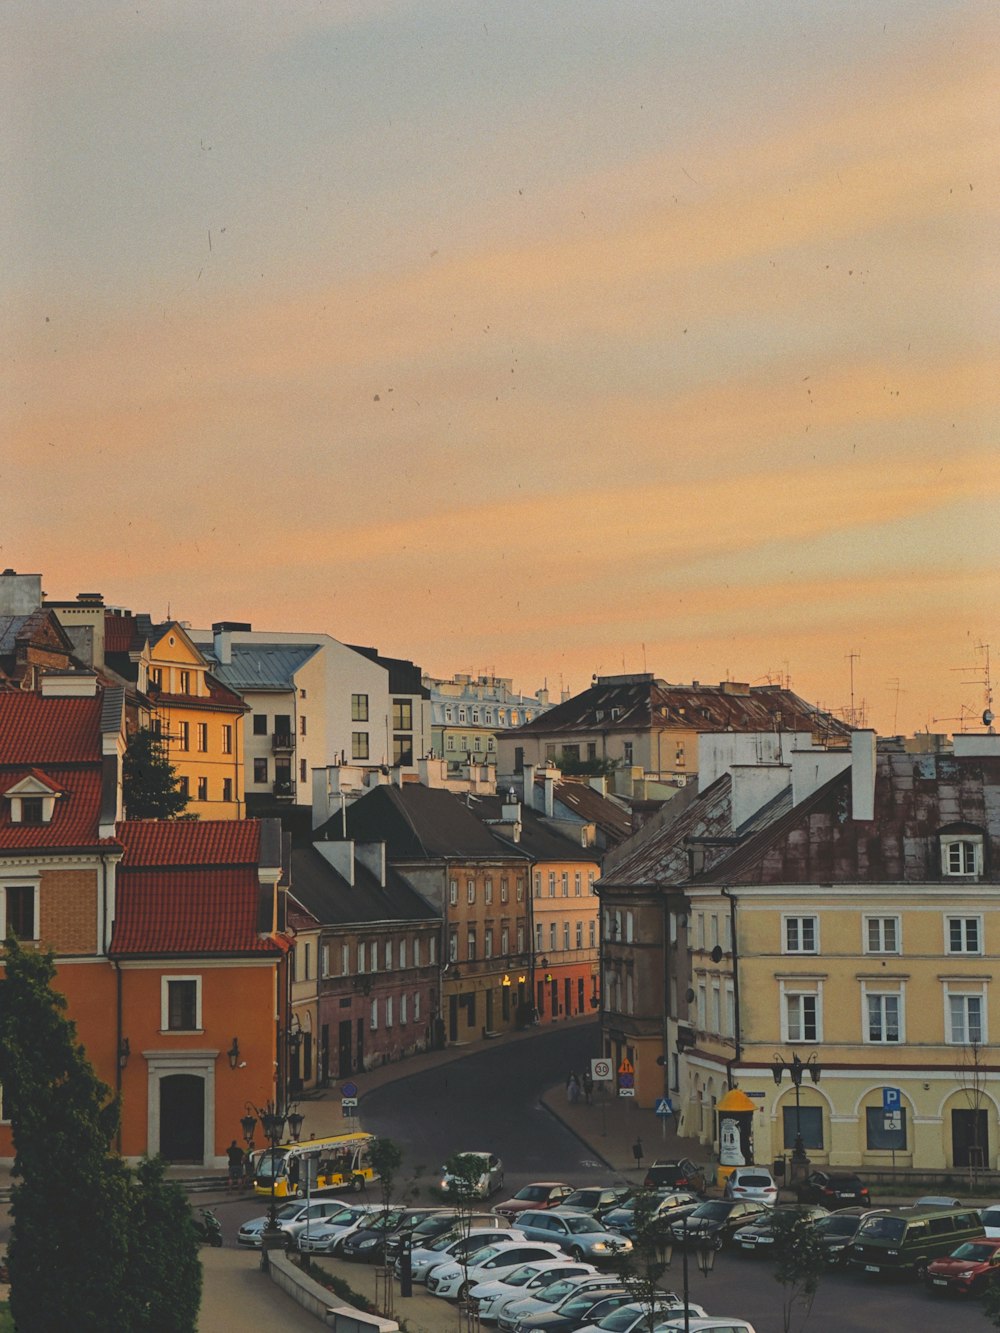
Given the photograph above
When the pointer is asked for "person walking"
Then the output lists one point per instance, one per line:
(573, 1090)
(234, 1156)
(588, 1086)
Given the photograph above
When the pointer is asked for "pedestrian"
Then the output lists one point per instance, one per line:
(637, 1153)
(293, 1173)
(234, 1156)
(588, 1086)
(573, 1090)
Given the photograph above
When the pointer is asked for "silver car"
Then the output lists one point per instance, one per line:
(326, 1236)
(454, 1246)
(489, 1296)
(293, 1219)
(581, 1236)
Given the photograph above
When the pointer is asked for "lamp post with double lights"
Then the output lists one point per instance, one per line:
(273, 1121)
(796, 1069)
(705, 1256)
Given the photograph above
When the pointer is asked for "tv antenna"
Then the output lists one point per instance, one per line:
(985, 681)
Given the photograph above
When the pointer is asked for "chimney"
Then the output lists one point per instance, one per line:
(340, 855)
(599, 784)
(69, 684)
(20, 594)
(811, 769)
(863, 775)
(550, 793)
(510, 811)
(529, 786)
(372, 856)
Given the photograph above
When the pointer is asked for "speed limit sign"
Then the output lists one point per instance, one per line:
(601, 1071)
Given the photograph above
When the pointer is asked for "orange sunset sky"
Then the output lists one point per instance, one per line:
(543, 338)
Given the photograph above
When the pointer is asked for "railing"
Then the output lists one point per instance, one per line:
(284, 789)
(282, 740)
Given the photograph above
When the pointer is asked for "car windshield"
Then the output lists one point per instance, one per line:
(523, 1275)
(882, 1228)
(432, 1226)
(534, 1193)
(582, 1226)
(577, 1305)
(755, 1182)
(714, 1211)
(974, 1250)
(552, 1294)
(442, 1242)
(582, 1199)
(622, 1319)
(479, 1257)
(836, 1226)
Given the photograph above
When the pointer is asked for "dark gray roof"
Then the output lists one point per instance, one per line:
(404, 676)
(266, 666)
(327, 895)
(538, 840)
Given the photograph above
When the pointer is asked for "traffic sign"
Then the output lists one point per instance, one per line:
(349, 1101)
(892, 1121)
(626, 1092)
(348, 1089)
(601, 1070)
(891, 1099)
(626, 1066)
(626, 1080)
(664, 1106)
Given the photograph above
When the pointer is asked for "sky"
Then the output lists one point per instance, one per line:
(548, 339)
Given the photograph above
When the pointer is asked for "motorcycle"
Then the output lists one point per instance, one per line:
(208, 1228)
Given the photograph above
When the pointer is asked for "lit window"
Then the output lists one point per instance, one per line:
(202, 737)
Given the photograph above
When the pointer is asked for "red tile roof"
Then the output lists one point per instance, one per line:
(151, 843)
(39, 731)
(35, 773)
(119, 631)
(190, 912)
(75, 820)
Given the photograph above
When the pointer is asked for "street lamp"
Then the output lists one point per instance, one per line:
(705, 1256)
(272, 1121)
(796, 1068)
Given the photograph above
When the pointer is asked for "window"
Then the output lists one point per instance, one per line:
(156, 676)
(180, 1004)
(416, 1006)
(203, 789)
(453, 892)
(965, 1019)
(520, 939)
(345, 959)
(628, 752)
(471, 945)
(629, 927)
(565, 935)
(432, 950)
(202, 729)
(520, 888)
(227, 738)
(373, 1021)
(453, 946)
(504, 888)
(388, 1011)
(260, 769)
(416, 953)
(359, 707)
(488, 890)
(470, 890)
(716, 1014)
(577, 885)
(964, 934)
(20, 911)
(552, 883)
(374, 963)
(801, 934)
(883, 1017)
(359, 744)
(488, 942)
(538, 937)
(579, 934)
(802, 1017)
(403, 999)
(183, 735)
(32, 810)
(402, 750)
(402, 715)
(260, 724)
(302, 724)
(361, 956)
(882, 934)
(730, 1028)
(808, 1119)
(227, 789)
(590, 881)
(552, 936)
(185, 682)
(184, 787)
(702, 1005)
(402, 953)
(565, 883)
(962, 856)
(303, 770)
(505, 939)
(592, 934)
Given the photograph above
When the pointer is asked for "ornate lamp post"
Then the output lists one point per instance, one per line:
(796, 1068)
(272, 1121)
(704, 1254)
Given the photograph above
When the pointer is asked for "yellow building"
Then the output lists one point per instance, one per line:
(200, 719)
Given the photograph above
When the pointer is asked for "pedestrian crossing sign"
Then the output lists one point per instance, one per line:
(664, 1106)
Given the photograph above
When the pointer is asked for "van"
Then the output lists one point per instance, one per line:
(905, 1240)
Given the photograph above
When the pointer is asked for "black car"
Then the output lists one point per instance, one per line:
(757, 1237)
(836, 1231)
(677, 1173)
(664, 1206)
(713, 1222)
(597, 1199)
(833, 1191)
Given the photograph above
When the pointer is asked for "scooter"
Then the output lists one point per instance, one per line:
(208, 1228)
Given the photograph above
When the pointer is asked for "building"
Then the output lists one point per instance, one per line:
(469, 713)
(836, 909)
(644, 732)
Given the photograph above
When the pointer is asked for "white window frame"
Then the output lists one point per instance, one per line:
(416, 1006)
(470, 890)
(965, 990)
(361, 957)
(21, 882)
(520, 939)
(965, 918)
(453, 892)
(881, 992)
(388, 1011)
(880, 921)
(971, 842)
(797, 991)
(403, 1007)
(788, 919)
(373, 1016)
(165, 1001)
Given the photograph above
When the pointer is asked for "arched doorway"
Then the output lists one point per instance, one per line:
(182, 1118)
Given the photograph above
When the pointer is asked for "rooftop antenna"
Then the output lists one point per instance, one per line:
(894, 685)
(855, 715)
(985, 680)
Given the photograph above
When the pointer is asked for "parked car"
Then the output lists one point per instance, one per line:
(662, 1207)
(905, 1240)
(937, 1201)
(454, 1280)
(579, 1308)
(368, 1243)
(757, 1237)
(548, 1298)
(292, 1218)
(752, 1182)
(714, 1221)
(597, 1199)
(836, 1231)
(435, 1224)
(488, 1180)
(489, 1296)
(990, 1215)
(454, 1245)
(634, 1316)
(678, 1173)
(542, 1194)
(716, 1324)
(326, 1237)
(582, 1237)
(832, 1191)
(968, 1270)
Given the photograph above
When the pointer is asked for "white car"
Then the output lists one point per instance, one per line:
(488, 1180)
(489, 1296)
(325, 1237)
(453, 1281)
(716, 1324)
(752, 1182)
(293, 1217)
(635, 1315)
(453, 1246)
(990, 1213)
(545, 1299)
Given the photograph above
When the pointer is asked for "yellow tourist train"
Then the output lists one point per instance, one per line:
(338, 1162)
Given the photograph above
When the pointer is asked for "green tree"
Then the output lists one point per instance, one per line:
(150, 788)
(642, 1267)
(991, 1304)
(799, 1264)
(74, 1261)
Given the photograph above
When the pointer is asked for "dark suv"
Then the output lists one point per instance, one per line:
(675, 1173)
(838, 1191)
(713, 1222)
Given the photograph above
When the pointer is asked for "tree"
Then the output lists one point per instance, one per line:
(642, 1267)
(991, 1304)
(386, 1158)
(83, 1234)
(150, 786)
(799, 1263)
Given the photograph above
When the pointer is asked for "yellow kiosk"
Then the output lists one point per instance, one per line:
(734, 1114)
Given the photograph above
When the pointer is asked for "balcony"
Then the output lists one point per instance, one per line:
(284, 789)
(282, 742)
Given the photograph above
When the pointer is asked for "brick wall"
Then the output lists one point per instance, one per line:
(68, 911)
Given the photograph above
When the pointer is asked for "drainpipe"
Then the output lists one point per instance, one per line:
(730, 897)
(117, 1051)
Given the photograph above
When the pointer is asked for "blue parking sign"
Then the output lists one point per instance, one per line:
(891, 1099)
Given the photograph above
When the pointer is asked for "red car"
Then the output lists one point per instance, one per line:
(542, 1194)
(968, 1270)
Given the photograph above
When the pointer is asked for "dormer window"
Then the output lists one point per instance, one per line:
(962, 854)
(32, 799)
(32, 810)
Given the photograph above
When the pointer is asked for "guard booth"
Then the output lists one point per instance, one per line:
(734, 1117)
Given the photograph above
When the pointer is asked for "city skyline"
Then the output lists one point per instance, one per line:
(560, 341)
